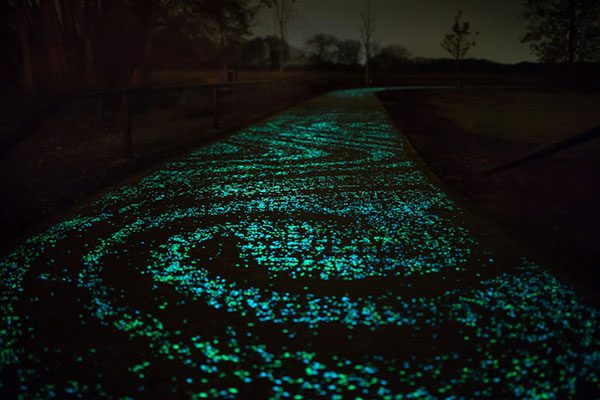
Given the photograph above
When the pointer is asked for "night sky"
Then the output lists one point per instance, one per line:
(418, 25)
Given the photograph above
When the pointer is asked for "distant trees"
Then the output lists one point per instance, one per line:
(391, 57)
(327, 50)
(227, 22)
(255, 53)
(262, 52)
(322, 49)
(367, 32)
(279, 53)
(563, 30)
(348, 52)
(459, 41)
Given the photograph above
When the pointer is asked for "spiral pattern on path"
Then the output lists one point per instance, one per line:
(306, 256)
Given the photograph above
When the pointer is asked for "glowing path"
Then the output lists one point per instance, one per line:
(305, 257)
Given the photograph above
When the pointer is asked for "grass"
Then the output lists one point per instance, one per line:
(519, 115)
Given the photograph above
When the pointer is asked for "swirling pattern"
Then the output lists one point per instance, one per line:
(306, 256)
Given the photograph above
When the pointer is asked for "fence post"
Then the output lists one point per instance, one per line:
(215, 93)
(127, 139)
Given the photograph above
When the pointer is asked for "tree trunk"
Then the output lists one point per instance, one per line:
(224, 64)
(281, 50)
(367, 66)
(89, 74)
(25, 46)
(456, 65)
(124, 109)
(572, 31)
(282, 47)
(225, 70)
(71, 39)
(85, 16)
(52, 41)
(147, 47)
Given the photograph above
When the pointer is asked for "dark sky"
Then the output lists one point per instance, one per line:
(419, 25)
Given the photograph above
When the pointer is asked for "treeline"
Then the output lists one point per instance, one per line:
(63, 44)
(72, 44)
(323, 50)
(319, 52)
(98, 43)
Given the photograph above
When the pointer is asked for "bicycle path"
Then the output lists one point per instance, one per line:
(307, 256)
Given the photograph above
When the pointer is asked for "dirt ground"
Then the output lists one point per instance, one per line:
(549, 205)
(79, 150)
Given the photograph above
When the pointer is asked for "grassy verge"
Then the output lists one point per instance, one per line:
(79, 150)
(549, 205)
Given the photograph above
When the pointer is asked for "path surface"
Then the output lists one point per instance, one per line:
(307, 256)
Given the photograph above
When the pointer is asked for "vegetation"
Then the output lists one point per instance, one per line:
(226, 22)
(98, 43)
(458, 42)
(72, 44)
(328, 50)
(283, 14)
(392, 57)
(563, 30)
(348, 52)
(367, 30)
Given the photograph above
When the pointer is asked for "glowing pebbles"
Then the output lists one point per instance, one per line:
(304, 257)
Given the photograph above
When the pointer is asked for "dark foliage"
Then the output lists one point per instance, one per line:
(391, 57)
(91, 43)
(563, 30)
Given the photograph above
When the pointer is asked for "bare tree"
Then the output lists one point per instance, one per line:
(458, 42)
(367, 32)
(25, 46)
(283, 14)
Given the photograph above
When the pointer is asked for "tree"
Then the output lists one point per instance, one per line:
(227, 22)
(322, 49)
(283, 14)
(75, 40)
(65, 44)
(458, 42)
(25, 46)
(348, 52)
(367, 32)
(563, 30)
